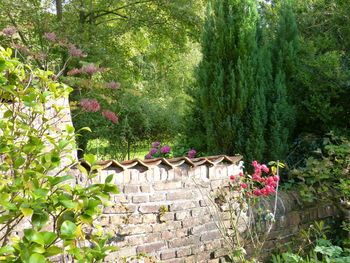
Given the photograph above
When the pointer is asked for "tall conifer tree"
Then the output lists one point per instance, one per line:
(282, 93)
(226, 75)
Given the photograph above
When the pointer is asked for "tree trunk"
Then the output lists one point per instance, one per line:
(59, 10)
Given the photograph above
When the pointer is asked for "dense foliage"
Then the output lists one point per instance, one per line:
(43, 211)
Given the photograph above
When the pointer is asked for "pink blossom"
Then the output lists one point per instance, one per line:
(257, 192)
(91, 69)
(241, 174)
(148, 156)
(73, 71)
(74, 52)
(110, 115)
(254, 163)
(191, 153)
(232, 177)
(165, 149)
(90, 105)
(276, 178)
(244, 186)
(155, 144)
(265, 168)
(113, 85)
(9, 31)
(153, 151)
(50, 36)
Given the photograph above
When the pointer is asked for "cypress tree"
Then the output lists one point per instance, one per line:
(281, 94)
(226, 76)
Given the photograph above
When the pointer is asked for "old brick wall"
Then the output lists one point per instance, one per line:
(166, 214)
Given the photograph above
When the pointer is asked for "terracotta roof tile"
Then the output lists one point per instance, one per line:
(172, 163)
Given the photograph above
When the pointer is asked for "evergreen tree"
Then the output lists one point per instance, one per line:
(226, 75)
(282, 93)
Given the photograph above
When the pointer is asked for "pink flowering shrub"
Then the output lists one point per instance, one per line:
(250, 222)
(158, 151)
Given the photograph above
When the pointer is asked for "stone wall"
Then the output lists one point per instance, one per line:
(165, 213)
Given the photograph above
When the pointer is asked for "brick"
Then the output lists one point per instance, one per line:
(127, 252)
(179, 195)
(182, 215)
(146, 188)
(182, 242)
(135, 229)
(131, 189)
(167, 216)
(149, 208)
(155, 197)
(198, 212)
(212, 245)
(215, 234)
(197, 249)
(152, 237)
(182, 252)
(167, 186)
(120, 198)
(166, 226)
(148, 248)
(203, 228)
(166, 235)
(191, 259)
(195, 221)
(182, 206)
(221, 252)
(135, 240)
(140, 199)
(167, 254)
(126, 177)
(175, 260)
(119, 209)
(149, 218)
(134, 176)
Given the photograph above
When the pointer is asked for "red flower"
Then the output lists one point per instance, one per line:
(232, 177)
(244, 186)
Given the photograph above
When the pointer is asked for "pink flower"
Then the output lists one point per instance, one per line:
(276, 178)
(257, 192)
(165, 149)
(232, 177)
(191, 153)
(244, 186)
(74, 52)
(254, 163)
(9, 31)
(153, 151)
(91, 69)
(155, 144)
(110, 115)
(90, 105)
(73, 71)
(265, 168)
(50, 36)
(148, 156)
(113, 85)
(241, 174)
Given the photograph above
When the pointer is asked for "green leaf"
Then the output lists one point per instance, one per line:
(19, 162)
(26, 211)
(90, 158)
(82, 169)
(48, 237)
(56, 180)
(111, 188)
(6, 249)
(8, 114)
(41, 192)
(109, 178)
(37, 258)
(68, 230)
(39, 220)
(53, 250)
(70, 129)
(68, 204)
(5, 218)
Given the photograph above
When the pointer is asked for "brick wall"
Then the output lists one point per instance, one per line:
(166, 213)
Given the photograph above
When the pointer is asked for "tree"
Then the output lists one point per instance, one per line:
(283, 91)
(226, 78)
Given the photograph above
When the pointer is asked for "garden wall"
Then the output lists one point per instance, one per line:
(163, 209)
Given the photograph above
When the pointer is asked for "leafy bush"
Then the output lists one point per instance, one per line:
(39, 197)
